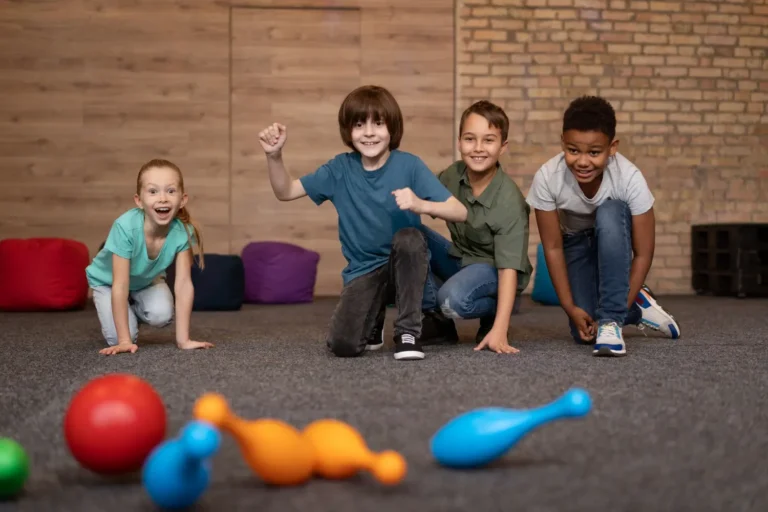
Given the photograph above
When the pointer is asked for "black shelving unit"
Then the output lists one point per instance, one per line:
(730, 259)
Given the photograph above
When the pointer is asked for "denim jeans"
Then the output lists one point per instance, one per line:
(469, 292)
(363, 301)
(598, 262)
(152, 305)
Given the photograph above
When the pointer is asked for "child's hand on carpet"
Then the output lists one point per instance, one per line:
(120, 347)
(497, 342)
(190, 345)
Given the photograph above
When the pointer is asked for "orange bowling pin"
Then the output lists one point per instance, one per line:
(340, 452)
(274, 450)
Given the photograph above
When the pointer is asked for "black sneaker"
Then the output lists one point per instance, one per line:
(407, 348)
(376, 340)
(436, 329)
(486, 324)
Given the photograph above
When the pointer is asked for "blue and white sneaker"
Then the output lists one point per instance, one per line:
(610, 341)
(654, 316)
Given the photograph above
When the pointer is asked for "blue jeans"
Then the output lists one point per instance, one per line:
(598, 262)
(468, 292)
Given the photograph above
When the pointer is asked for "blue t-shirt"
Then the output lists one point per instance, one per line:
(368, 213)
(126, 239)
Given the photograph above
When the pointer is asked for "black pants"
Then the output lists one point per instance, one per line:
(363, 300)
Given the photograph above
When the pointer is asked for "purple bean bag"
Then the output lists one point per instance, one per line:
(279, 273)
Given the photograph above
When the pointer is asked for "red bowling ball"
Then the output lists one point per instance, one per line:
(113, 423)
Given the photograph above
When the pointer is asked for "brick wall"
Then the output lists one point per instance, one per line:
(688, 80)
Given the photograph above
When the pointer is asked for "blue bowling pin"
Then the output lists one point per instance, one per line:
(178, 471)
(478, 437)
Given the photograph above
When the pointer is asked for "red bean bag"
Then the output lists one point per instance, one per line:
(43, 274)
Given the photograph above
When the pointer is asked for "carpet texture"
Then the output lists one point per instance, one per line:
(675, 426)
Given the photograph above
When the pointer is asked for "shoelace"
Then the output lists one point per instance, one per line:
(408, 338)
(611, 327)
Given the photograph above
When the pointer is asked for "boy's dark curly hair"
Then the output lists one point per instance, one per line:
(590, 114)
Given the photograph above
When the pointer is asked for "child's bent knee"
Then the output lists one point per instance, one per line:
(159, 317)
(451, 308)
(409, 239)
(345, 348)
(611, 209)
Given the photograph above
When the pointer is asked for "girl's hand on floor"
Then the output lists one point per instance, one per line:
(120, 347)
(190, 345)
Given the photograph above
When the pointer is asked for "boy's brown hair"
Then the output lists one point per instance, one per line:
(495, 115)
(374, 102)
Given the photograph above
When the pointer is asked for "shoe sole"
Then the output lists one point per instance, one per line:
(409, 355)
(673, 331)
(609, 352)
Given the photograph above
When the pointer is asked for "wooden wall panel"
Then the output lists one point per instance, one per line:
(92, 89)
(409, 50)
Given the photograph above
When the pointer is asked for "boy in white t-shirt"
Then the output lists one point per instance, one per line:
(595, 216)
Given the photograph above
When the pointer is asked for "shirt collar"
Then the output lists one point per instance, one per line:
(486, 198)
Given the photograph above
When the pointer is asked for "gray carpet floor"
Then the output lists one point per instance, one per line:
(675, 426)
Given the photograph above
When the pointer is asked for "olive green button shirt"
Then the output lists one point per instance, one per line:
(497, 226)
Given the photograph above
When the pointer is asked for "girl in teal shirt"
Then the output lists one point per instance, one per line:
(128, 274)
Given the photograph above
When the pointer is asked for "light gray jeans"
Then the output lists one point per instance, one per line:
(152, 305)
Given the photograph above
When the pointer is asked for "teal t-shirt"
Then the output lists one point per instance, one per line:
(368, 213)
(126, 239)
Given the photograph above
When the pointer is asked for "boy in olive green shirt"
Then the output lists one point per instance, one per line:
(485, 266)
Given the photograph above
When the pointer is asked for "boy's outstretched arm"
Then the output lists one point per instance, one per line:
(450, 210)
(552, 241)
(643, 246)
(272, 140)
(496, 340)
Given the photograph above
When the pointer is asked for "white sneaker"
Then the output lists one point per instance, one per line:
(654, 316)
(610, 341)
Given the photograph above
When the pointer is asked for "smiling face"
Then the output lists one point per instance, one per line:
(587, 154)
(480, 144)
(161, 195)
(371, 138)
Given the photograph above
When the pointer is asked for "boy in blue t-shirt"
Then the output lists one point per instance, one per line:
(379, 193)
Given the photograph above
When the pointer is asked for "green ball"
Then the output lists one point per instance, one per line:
(14, 468)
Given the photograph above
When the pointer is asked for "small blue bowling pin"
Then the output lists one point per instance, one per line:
(478, 437)
(178, 471)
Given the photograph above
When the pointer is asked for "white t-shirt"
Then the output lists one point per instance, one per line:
(555, 188)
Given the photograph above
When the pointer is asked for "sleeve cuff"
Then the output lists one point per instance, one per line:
(539, 205)
(311, 193)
